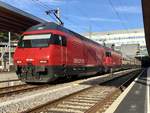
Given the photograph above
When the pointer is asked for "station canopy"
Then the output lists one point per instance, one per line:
(15, 20)
(146, 17)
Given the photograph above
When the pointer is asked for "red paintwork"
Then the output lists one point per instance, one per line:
(77, 53)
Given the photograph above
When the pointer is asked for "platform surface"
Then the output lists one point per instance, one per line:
(7, 76)
(137, 99)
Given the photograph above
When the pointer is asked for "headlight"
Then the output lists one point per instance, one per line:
(29, 60)
(43, 61)
(18, 62)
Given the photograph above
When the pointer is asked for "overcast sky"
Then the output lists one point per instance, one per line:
(85, 15)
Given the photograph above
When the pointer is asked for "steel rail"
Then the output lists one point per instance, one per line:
(93, 108)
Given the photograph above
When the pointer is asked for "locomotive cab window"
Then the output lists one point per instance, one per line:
(31, 41)
(58, 40)
(108, 53)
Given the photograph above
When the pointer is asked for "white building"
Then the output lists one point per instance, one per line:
(121, 39)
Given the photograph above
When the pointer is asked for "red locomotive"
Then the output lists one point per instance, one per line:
(49, 51)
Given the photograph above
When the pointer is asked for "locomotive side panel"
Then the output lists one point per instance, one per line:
(50, 51)
(75, 49)
(90, 55)
(116, 59)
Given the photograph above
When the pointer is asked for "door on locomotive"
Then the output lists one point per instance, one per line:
(62, 41)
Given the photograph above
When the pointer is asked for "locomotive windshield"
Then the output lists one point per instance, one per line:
(29, 41)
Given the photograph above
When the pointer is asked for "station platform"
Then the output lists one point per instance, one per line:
(7, 76)
(135, 99)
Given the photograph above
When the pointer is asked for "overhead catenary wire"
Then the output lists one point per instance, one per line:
(46, 7)
(90, 21)
(118, 15)
(71, 21)
(89, 29)
(43, 6)
(74, 23)
(127, 17)
(49, 11)
(86, 15)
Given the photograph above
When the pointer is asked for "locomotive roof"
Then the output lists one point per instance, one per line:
(54, 26)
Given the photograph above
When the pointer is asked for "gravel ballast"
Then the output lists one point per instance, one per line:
(22, 102)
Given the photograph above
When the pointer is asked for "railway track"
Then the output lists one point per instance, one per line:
(9, 83)
(13, 80)
(90, 100)
(12, 90)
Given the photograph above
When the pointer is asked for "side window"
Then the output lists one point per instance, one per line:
(64, 41)
(56, 40)
(59, 40)
(108, 53)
